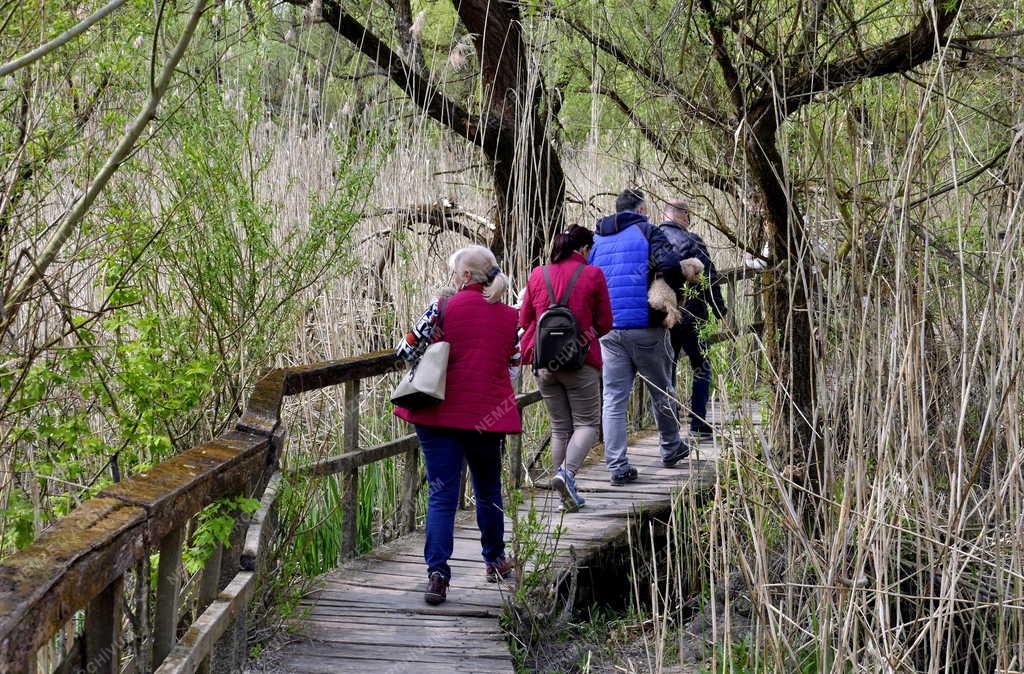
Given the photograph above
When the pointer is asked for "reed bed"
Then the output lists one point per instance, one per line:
(915, 560)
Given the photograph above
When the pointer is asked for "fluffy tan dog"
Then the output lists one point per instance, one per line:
(692, 269)
(660, 295)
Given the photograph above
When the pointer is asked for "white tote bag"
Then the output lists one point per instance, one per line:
(424, 385)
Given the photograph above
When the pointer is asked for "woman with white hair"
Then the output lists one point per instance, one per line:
(478, 410)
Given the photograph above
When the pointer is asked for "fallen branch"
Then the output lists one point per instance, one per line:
(442, 215)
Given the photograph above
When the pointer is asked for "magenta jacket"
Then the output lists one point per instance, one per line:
(589, 302)
(478, 391)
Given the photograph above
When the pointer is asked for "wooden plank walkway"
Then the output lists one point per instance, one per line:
(369, 615)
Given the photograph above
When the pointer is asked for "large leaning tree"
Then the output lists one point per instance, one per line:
(508, 122)
(799, 70)
(726, 91)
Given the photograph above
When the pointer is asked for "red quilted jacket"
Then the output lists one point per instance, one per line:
(589, 303)
(478, 391)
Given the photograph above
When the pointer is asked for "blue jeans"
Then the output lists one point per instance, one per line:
(685, 338)
(443, 452)
(626, 353)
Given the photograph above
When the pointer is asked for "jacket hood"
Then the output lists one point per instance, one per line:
(613, 224)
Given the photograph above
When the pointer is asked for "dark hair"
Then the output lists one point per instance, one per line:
(629, 200)
(572, 239)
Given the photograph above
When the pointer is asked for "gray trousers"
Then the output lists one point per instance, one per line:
(573, 399)
(627, 353)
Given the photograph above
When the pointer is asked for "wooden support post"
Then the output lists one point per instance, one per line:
(210, 581)
(463, 479)
(730, 302)
(758, 295)
(230, 650)
(640, 403)
(515, 446)
(103, 631)
(167, 581)
(208, 589)
(350, 476)
(143, 635)
(410, 490)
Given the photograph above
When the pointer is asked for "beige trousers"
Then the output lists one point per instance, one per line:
(573, 399)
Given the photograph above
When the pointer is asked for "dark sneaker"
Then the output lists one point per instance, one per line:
(503, 569)
(626, 476)
(702, 433)
(566, 486)
(677, 455)
(437, 589)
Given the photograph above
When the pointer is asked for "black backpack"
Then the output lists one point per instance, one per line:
(559, 344)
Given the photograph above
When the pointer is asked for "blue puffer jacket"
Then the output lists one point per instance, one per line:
(630, 251)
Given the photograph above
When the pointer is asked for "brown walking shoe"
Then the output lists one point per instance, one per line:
(503, 569)
(437, 589)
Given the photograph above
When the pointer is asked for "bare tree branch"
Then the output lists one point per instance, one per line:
(59, 41)
(732, 78)
(904, 52)
(720, 181)
(708, 115)
(408, 79)
(78, 211)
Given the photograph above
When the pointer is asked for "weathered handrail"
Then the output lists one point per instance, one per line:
(79, 563)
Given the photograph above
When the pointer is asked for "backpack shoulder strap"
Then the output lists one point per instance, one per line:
(572, 284)
(551, 290)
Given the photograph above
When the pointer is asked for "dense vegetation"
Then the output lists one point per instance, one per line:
(289, 189)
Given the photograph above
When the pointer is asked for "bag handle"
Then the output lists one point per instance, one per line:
(568, 289)
(442, 302)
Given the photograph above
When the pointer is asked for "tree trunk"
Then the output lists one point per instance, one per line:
(789, 324)
(530, 194)
(529, 183)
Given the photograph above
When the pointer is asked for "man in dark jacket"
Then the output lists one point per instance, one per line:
(631, 253)
(685, 335)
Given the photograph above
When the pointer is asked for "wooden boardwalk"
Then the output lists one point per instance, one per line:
(369, 615)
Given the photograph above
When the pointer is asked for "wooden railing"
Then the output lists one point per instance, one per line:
(81, 562)
(730, 279)
(71, 584)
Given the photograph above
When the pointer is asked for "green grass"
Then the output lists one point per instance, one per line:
(742, 657)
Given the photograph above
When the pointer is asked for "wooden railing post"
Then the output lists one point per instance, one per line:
(730, 303)
(350, 476)
(167, 582)
(463, 484)
(208, 589)
(230, 650)
(103, 630)
(141, 646)
(410, 489)
(515, 447)
(640, 406)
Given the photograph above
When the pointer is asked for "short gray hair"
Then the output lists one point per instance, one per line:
(679, 205)
(482, 266)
